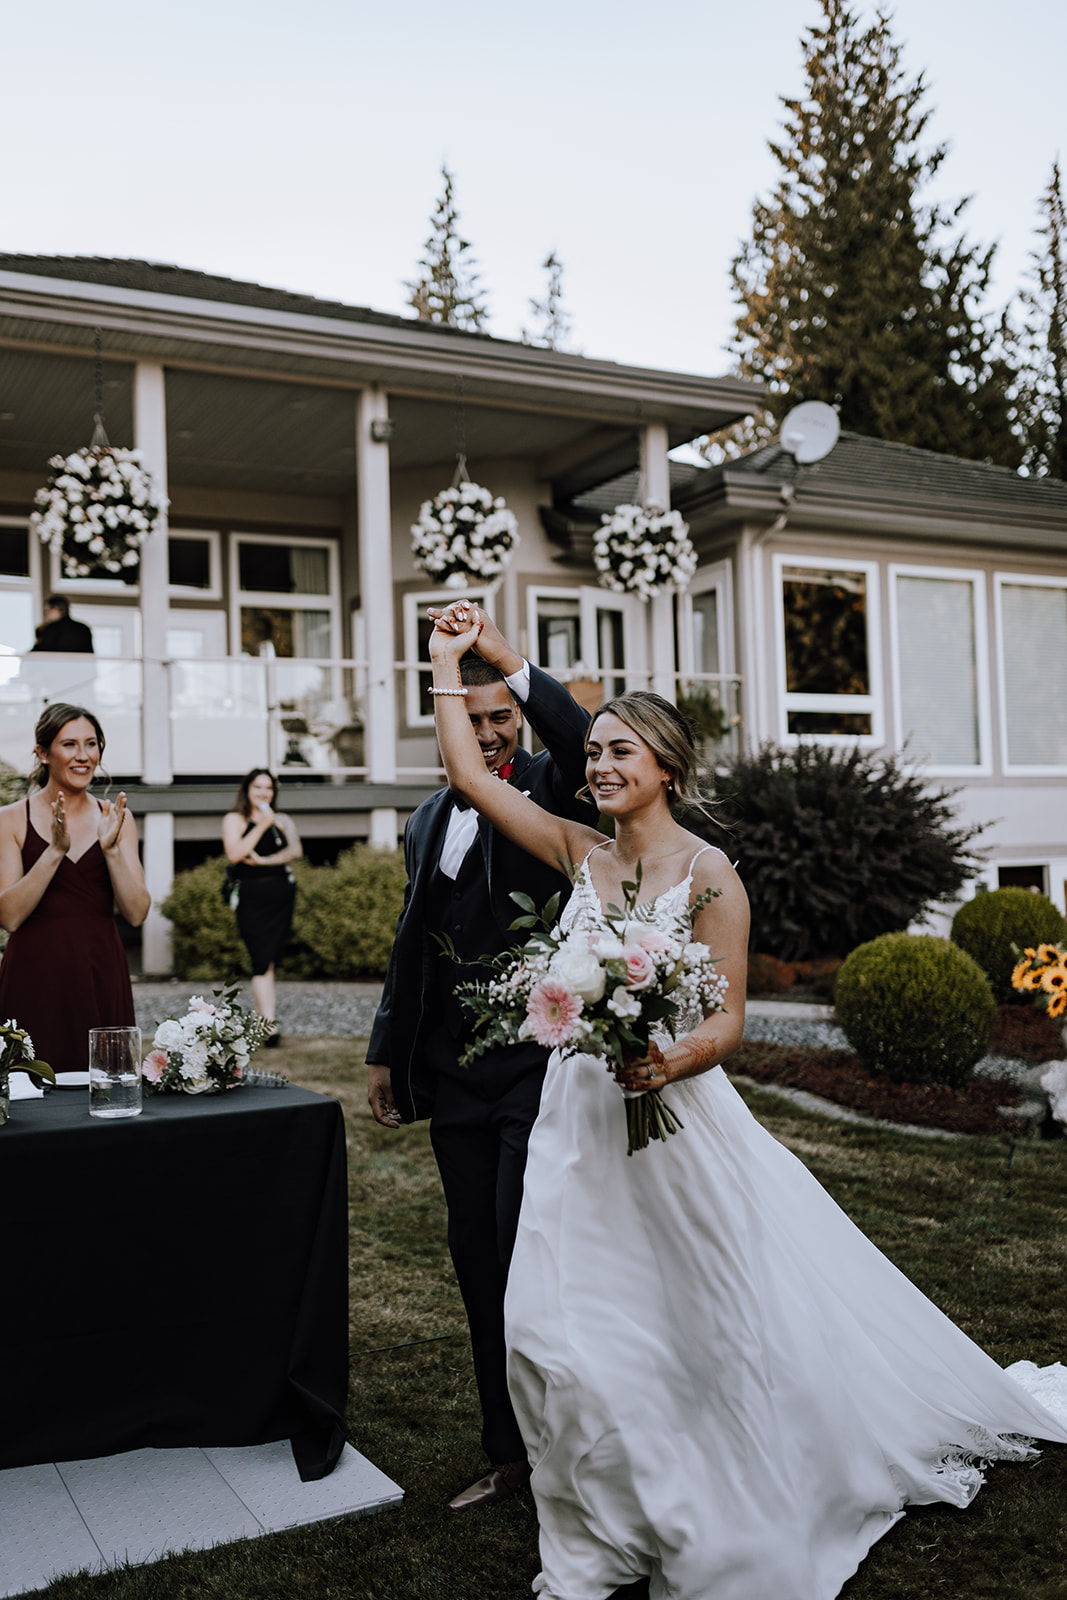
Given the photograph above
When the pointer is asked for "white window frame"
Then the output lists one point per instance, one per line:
(983, 768)
(847, 704)
(241, 598)
(212, 539)
(1037, 582)
(547, 591)
(58, 584)
(634, 635)
(414, 605)
(31, 585)
(720, 577)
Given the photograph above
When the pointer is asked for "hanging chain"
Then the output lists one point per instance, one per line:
(641, 491)
(461, 474)
(100, 439)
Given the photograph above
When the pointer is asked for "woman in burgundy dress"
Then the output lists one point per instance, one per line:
(66, 861)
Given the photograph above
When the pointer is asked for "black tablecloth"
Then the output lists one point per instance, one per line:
(177, 1278)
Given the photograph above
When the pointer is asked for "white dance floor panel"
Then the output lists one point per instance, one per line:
(91, 1515)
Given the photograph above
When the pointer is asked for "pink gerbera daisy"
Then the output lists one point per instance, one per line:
(552, 1010)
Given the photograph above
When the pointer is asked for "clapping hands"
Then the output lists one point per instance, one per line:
(108, 823)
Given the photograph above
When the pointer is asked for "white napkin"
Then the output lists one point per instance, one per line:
(19, 1087)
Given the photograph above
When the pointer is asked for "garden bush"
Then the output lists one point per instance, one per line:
(989, 925)
(343, 928)
(835, 848)
(346, 915)
(918, 1009)
(207, 946)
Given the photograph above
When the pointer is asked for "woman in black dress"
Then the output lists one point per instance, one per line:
(259, 843)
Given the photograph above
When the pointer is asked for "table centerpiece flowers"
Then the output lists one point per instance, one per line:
(464, 535)
(643, 550)
(207, 1050)
(601, 992)
(16, 1052)
(96, 510)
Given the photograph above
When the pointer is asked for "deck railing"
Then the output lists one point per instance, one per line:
(298, 717)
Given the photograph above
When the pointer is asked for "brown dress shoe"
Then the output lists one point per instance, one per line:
(500, 1483)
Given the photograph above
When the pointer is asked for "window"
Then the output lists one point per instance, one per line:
(1032, 630)
(193, 565)
(418, 702)
(284, 593)
(828, 650)
(18, 599)
(940, 665)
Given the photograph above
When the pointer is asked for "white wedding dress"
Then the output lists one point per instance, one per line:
(720, 1381)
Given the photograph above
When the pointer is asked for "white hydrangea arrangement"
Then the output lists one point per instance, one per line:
(642, 550)
(96, 510)
(208, 1049)
(464, 534)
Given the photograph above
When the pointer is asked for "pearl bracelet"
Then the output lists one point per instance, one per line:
(448, 691)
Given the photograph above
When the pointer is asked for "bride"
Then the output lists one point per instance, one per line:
(720, 1381)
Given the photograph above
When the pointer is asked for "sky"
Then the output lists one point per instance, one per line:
(300, 144)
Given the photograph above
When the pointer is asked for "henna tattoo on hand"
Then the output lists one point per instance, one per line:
(693, 1053)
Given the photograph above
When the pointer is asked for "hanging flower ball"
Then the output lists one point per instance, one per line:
(642, 550)
(464, 535)
(96, 510)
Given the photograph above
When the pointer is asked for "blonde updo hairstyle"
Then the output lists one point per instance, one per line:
(49, 724)
(669, 737)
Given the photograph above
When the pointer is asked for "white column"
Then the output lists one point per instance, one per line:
(656, 490)
(158, 852)
(150, 437)
(376, 603)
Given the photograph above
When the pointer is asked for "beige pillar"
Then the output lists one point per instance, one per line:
(656, 491)
(150, 437)
(376, 601)
(158, 853)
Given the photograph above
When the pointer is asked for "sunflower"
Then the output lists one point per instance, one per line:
(1031, 980)
(1048, 952)
(1019, 975)
(1058, 1004)
(1054, 979)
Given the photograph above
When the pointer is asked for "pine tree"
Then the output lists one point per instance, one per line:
(1042, 342)
(848, 294)
(447, 291)
(555, 322)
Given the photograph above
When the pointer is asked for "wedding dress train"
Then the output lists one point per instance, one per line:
(721, 1382)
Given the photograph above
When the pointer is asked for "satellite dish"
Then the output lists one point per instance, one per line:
(810, 431)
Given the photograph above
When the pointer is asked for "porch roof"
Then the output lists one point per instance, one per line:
(576, 416)
(869, 486)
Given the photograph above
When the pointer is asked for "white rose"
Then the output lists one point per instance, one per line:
(580, 970)
(623, 1004)
(168, 1035)
(695, 953)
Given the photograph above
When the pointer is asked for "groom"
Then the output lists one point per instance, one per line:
(460, 875)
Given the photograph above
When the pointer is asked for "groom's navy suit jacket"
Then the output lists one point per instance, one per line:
(409, 998)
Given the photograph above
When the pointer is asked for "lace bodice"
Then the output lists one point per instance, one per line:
(584, 910)
(669, 911)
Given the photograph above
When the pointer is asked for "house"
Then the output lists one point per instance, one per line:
(884, 595)
(279, 619)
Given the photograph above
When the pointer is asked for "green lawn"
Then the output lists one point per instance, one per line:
(984, 1238)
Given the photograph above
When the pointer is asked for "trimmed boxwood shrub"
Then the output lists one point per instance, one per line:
(342, 930)
(835, 847)
(918, 1009)
(987, 927)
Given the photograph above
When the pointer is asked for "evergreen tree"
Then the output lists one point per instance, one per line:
(848, 294)
(1042, 342)
(555, 322)
(447, 289)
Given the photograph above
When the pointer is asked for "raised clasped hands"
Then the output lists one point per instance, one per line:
(109, 822)
(456, 629)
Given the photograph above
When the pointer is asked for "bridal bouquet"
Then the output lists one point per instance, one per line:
(208, 1049)
(598, 992)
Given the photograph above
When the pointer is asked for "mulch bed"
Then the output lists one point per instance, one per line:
(837, 1075)
(1026, 1034)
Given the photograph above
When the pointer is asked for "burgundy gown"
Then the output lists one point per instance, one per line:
(64, 970)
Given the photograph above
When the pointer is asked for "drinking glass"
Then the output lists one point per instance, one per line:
(114, 1072)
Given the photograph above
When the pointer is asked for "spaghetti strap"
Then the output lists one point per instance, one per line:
(600, 846)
